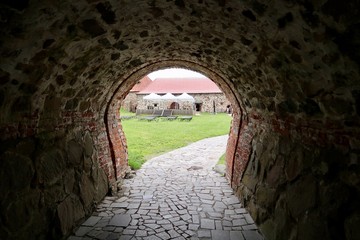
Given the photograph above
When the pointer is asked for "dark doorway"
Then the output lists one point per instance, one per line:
(198, 107)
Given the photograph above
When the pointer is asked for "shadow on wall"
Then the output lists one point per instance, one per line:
(50, 182)
(301, 191)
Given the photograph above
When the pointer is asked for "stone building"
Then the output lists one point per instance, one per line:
(207, 95)
(289, 68)
(130, 102)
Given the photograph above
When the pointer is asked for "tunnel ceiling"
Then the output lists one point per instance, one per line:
(285, 59)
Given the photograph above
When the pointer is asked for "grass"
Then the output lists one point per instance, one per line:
(221, 160)
(148, 139)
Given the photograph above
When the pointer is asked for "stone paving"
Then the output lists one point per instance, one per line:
(174, 196)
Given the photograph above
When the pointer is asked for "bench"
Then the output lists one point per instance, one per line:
(148, 118)
(126, 117)
(185, 118)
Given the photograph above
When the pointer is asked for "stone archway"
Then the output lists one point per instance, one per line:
(292, 65)
(116, 135)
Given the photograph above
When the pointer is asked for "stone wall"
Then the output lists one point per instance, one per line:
(49, 184)
(296, 189)
(289, 68)
(208, 101)
(130, 102)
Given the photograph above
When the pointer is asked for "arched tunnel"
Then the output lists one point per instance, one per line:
(290, 69)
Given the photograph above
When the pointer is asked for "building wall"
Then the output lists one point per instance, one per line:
(209, 99)
(207, 102)
(130, 102)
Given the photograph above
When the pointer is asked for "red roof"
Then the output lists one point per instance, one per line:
(181, 85)
(144, 82)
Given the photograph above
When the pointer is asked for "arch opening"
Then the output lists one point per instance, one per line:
(116, 135)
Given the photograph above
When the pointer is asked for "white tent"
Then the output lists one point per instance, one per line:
(168, 96)
(186, 97)
(152, 96)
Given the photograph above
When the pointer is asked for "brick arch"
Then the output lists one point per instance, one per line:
(116, 136)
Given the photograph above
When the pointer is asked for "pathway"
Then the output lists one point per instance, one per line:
(174, 196)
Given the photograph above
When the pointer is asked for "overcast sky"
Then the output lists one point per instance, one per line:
(174, 73)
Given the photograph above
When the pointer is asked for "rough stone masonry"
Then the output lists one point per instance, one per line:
(289, 68)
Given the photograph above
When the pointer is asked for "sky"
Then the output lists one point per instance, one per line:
(174, 73)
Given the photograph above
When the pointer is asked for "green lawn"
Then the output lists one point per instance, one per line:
(221, 160)
(148, 139)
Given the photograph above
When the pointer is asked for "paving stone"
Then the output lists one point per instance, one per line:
(229, 212)
(128, 231)
(252, 235)
(142, 211)
(174, 219)
(94, 233)
(121, 199)
(236, 235)
(75, 238)
(103, 235)
(179, 223)
(92, 221)
(133, 205)
(149, 221)
(248, 218)
(117, 211)
(250, 227)
(103, 214)
(167, 226)
(119, 229)
(237, 216)
(183, 227)
(227, 223)
(173, 234)
(166, 201)
(239, 222)
(125, 237)
(119, 205)
(102, 223)
(81, 231)
(240, 210)
(152, 238)
(205, 196)
(210, 202)
(218, 225)
(204, 233)
(109, 229)
(193, 227)
(159, 230)
(140, 233)
(215, 214)
(161, 222)
(184, 211)
(195, 219)
(112, 236)
(220, 205)
(122, 220)
(207, 223)
(152, 226)
(185, 235)
(220, 235)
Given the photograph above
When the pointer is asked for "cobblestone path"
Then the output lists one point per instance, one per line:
(174, 196)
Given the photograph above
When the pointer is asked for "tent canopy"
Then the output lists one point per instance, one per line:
(168, 96)
(186, 97)
(152, 96)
